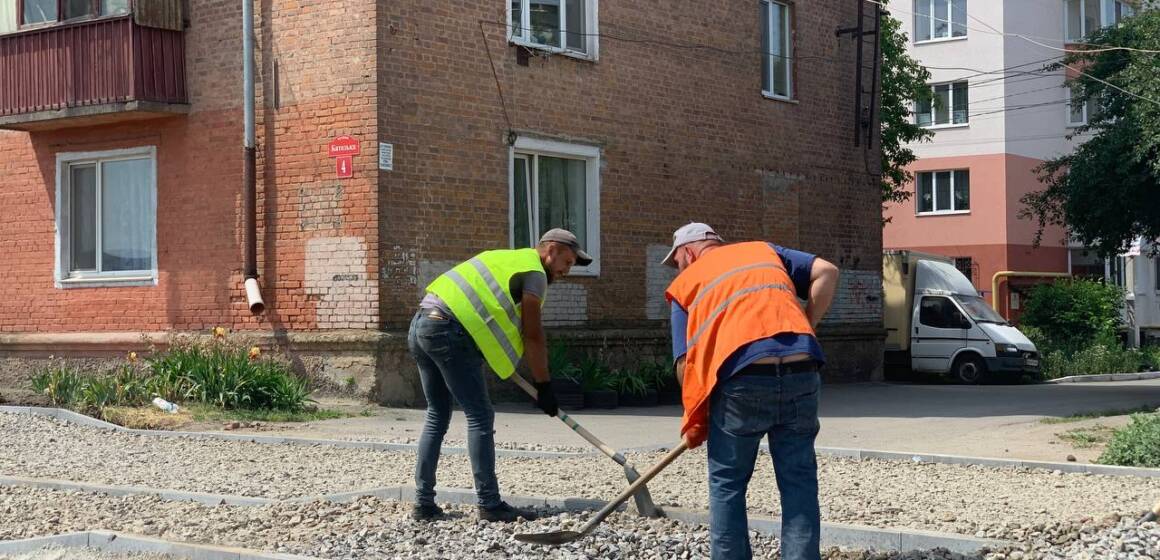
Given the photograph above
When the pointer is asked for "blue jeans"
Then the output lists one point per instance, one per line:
(742, 410)
(450, 365)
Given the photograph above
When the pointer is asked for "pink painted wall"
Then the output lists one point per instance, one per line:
(985, 224)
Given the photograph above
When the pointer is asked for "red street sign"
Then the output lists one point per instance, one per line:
(343, 146)
(344, 167)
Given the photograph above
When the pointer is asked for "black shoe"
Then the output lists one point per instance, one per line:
(426, 512)
(505, 513)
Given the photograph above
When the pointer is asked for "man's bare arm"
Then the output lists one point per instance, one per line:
(535, 343)
(823, 285)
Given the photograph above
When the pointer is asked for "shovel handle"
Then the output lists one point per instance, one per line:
(635, 486)
(567, 420)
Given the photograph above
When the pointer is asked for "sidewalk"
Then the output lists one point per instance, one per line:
(984, 421)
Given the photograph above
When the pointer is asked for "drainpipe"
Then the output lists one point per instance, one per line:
(1012, 274)
(249, 189)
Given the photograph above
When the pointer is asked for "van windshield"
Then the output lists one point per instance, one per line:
(979, 310)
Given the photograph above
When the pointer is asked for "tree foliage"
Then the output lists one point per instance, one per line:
(1106, 192)
(904, 81)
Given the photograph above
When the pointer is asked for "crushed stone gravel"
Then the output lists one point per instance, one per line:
(971, 500)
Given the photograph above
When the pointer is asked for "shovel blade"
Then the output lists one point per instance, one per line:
(549, 539)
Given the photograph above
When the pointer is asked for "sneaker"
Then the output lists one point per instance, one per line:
(426, 512)
(505, 513)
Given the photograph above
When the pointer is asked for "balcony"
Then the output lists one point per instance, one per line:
(91, 72)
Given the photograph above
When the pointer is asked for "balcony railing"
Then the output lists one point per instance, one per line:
(54, 76)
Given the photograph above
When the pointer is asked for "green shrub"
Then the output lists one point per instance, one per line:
(560, 363)
(219, 373)
(1104, 356)
(1135, 445)
(61, 385)
(631, 382)
(1073, 314)
(595, 376)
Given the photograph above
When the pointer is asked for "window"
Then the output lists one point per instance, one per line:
(948, 107)
(966, 266)
(1116, 266)
(567, 26)
(1081, 17)
(944, 192)
(1156, 272)
(939, 19)
(35, 12)
(941, 313)
(1079, 112)
(555, 184)
(777, 43)
(106, 217)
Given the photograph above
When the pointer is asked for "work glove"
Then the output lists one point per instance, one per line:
(546, 399)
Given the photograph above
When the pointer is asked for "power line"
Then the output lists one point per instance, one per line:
(994, 31)
(1110, 84)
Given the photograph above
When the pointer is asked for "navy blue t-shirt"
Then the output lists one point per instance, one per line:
(798, 264)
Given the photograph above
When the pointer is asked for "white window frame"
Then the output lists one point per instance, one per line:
(1107, 7)
(522, 36)
(788, 32)
(64, 278)
(529, 146)
(1087, 105)
(934, 193)
(931, 19)
(951, 109)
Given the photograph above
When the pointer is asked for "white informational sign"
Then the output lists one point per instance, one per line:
(386, 156)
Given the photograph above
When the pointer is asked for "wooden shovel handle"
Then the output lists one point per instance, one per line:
(635, 486)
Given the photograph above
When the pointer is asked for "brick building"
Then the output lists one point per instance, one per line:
(121, 166)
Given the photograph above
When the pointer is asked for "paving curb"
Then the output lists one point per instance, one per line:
(902, 456)
(833, 534)
(171, 495)
(90, 422)
(122, 542)
(1107, 377)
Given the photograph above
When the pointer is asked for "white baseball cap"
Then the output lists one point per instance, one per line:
(690, 233)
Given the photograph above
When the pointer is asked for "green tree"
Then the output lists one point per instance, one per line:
(1107, 191)
(904, 81)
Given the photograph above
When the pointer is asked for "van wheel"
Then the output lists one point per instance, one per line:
(969, 369)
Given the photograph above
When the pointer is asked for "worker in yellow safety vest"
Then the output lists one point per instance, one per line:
(484, 309)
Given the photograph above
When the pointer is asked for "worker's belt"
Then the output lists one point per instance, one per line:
(435, 314)
(775, 370)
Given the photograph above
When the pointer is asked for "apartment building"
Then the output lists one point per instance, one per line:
(997, 115)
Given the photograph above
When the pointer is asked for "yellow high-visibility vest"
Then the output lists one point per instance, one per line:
(478, 293)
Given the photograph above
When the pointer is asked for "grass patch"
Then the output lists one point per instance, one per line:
(203, 413)
(1098, 414)
(1084, 438)
(1135, 445)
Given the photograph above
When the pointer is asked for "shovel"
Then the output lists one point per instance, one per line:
(564, 537)
(644, 503)
(1151, 515)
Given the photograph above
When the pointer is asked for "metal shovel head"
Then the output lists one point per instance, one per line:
(549, 539)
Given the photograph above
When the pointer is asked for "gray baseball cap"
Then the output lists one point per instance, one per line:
(689, 233)
(568, 238)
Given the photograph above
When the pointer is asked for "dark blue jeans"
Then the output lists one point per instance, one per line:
(451, 366)
(744, 409)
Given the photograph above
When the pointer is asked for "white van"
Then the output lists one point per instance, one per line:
(937, 323)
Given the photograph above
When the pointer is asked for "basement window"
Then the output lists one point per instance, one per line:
(106, 218)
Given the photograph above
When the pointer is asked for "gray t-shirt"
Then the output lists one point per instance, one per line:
(534, 283)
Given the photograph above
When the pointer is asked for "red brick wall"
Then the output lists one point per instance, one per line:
(686, 135)
(317, 235)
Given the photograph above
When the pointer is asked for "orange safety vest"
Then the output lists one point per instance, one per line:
(735, 294)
